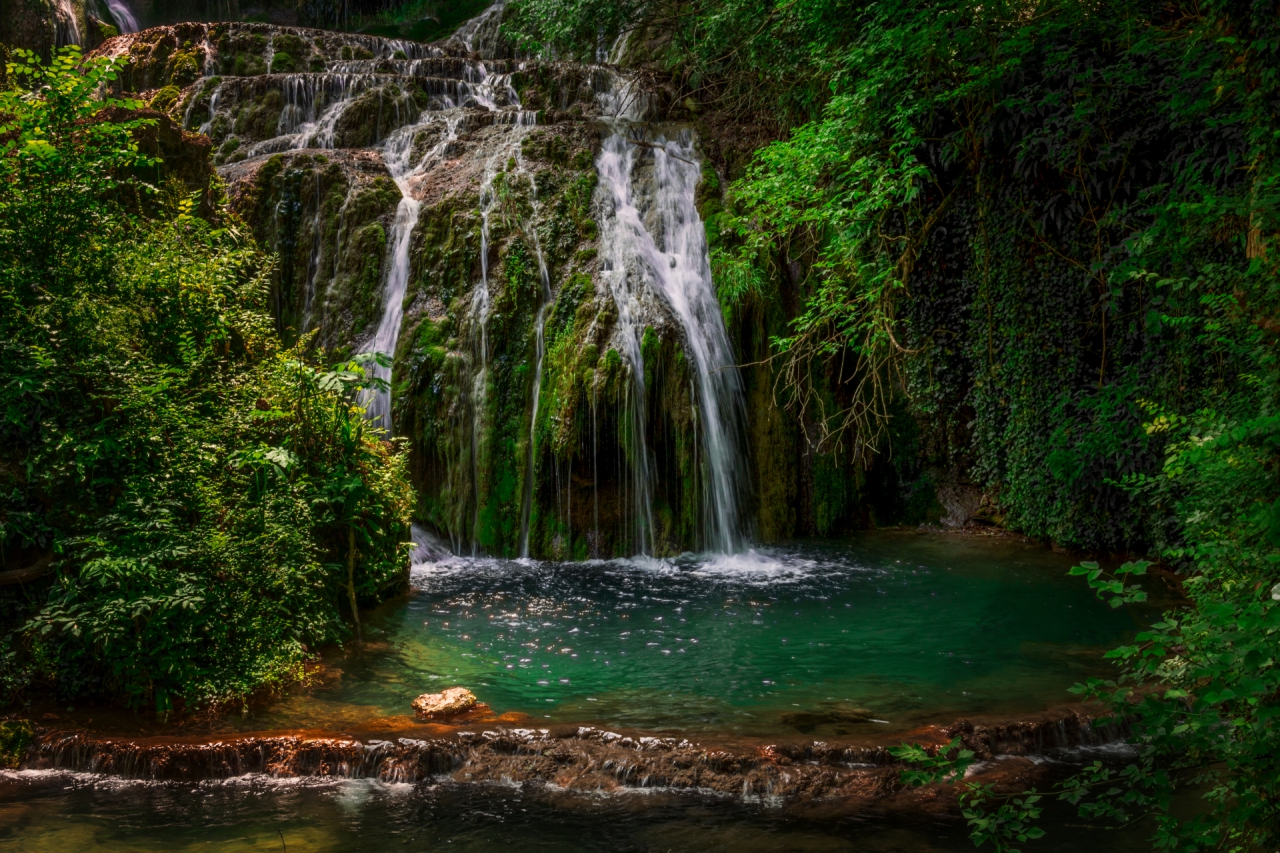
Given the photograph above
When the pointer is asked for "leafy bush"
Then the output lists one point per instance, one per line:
(211, 502)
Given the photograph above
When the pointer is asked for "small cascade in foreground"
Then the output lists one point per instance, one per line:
(664, 251)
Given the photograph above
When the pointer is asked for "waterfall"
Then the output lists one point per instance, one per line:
(481, 34)
(398, 154)
(647, 259)
(125, 21)
(66, 23)
(480, 304)
(666, 254)
(313, 260)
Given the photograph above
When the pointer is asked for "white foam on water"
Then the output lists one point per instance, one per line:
(757, 566)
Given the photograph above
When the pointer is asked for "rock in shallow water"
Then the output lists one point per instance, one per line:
(450, 703)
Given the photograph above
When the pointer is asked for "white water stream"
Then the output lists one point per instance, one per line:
(66, 23)
(398, 155)
(123, 16)
(653, 241)
(652, 250)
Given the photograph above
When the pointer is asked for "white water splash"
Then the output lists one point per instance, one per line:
(481, 34)
(427, 548)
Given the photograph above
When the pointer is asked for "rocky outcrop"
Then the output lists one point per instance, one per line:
(29, 24)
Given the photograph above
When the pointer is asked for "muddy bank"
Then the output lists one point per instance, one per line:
(1013, 754)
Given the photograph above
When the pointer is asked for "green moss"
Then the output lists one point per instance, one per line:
(183, 68)
(259, 118)
(288, 43)
(356, 52)
(247, 65)
(371, 116)
(227, 149)
(16, 737)
(164, 99)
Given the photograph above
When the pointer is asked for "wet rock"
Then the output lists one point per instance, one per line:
(821, 774)
(450, 703)
(825, 713)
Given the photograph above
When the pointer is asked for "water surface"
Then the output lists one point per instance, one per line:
(878, 633)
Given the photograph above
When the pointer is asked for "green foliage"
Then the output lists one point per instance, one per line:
(769, 61)
(419, 20)
(15, 737)
(197, 487)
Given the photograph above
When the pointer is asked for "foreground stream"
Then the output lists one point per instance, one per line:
(62, 814)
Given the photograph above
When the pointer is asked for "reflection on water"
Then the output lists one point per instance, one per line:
(60, 814)
(829, 638)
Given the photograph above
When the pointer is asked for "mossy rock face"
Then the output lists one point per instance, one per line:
(28, 24)
(165, 100)
(164, 56)
(326, 216)
(373, 115)
(259, 118)
(16, 738)
(463, 391)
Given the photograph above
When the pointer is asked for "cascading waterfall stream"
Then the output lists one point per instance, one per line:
(123, 16)
(66, 23)
(647, 254)
(315, 103)
(481, 34)
(480, 304)
(398, 154)
(668, 255)
(540, 350)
